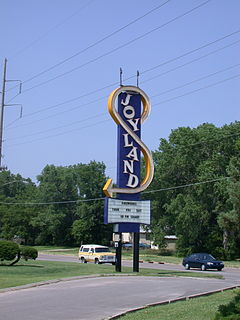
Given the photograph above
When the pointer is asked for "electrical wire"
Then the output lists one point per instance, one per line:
(60, 127)
(168, 100)
(50, 30)
(97, 199)
(185, 185)
(62, 133)
(159, 75)
(95, 43)
(196, 80)
(208, 141)
(59, 113)
(189, 62)
(197, 90)
(117, 48)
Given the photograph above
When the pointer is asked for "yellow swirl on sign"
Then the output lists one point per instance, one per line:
(108, 189)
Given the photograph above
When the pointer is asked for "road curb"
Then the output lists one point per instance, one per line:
(156, 262)
(207, 293)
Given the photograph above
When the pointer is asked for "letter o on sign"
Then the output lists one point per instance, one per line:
(129, 112)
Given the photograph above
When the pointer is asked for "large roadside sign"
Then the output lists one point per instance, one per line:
(129, 106)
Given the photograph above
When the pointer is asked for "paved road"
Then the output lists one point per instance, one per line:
(100, 298)
(231, 274)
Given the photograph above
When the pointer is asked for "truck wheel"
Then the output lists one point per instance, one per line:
(82, 260)
(97, 261)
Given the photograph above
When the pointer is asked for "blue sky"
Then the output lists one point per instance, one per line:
(65, 119)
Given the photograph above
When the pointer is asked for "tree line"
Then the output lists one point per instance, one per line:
(195, 195)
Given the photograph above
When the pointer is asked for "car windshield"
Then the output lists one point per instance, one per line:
(208, 257)
(102, 250)
(211, 257)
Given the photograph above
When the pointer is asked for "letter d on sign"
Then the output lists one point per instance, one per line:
(132, 181)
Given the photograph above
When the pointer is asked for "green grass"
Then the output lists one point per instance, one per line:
(37, 271)
(158, 258)
(203, 308)
(57, 250)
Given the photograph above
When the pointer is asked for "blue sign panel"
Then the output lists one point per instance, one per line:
(129, 155)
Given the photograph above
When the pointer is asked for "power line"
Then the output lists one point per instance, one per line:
(196, 80)
(162, 102)
(185, 185)
(117, 48)
(208, 140)
(159, 75)
(52, 202)
(61, 112)
(60, 127)
(62, 133)
(50, 30)
(199, 89)
(101, 114)
(97, 199)
(189, 62)
(96, 43)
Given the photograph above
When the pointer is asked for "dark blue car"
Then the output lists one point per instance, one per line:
(204, 261)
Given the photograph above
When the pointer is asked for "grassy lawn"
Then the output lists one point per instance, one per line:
(37, 271)
(203, 308)
(57, 250)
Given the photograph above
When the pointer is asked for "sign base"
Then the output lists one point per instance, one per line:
(126, 227)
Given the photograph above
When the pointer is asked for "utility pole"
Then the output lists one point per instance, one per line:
(2, 110)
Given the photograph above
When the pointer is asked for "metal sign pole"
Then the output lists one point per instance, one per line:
(136, 252)
(118, 266)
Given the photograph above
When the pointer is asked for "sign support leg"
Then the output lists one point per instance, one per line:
(118, 266)
(136, 252)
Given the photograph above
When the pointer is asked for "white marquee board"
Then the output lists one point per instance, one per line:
(125, 211)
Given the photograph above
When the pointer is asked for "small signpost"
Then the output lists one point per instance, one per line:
(127, 211)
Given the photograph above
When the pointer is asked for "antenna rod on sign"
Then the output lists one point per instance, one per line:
(138, 78)
(121, 77)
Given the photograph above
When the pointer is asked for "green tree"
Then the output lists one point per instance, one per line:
(57, 192)
(183, 207)
(89, 226)
(68, 215)
(229, 220)
(15, 217)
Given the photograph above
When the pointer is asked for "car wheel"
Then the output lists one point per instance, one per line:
(187, 267)
(113, 263)
(97, 261)
(203, 267)
(82, 260)
(219, 269)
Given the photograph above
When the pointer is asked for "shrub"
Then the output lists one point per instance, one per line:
(28, 253)
(8, 250)
(231, 311)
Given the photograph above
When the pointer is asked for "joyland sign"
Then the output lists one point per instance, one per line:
(133, 109)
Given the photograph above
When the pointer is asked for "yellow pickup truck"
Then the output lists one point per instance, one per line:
(96, 253)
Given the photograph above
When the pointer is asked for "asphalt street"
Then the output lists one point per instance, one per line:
(102, 297)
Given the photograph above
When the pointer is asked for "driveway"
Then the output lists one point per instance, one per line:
(102, 297)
